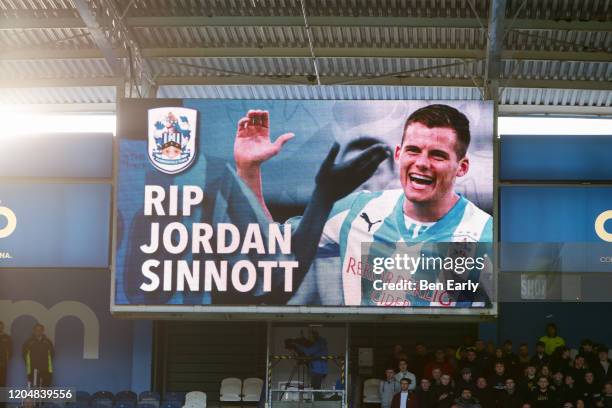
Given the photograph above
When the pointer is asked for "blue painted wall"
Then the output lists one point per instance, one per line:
(115, 357)
(576, 321)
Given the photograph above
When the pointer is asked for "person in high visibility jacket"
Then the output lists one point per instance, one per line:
(38, 353)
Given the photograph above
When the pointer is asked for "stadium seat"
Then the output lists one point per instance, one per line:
(231, 389)
(149, 397)
(83, 396)
(251, 389)
(175, 396)
(82, 404)
(195, 399)
(145, 405)
(127, 395)
(370, 391)
(102, 399)
(125, 404)
(171, 404)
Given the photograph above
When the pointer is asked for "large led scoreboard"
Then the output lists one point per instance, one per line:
(279, 206)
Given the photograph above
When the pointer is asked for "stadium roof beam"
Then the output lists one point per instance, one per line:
(305, 80)
(12, 23)
(98, 34)
(304, 52)
(386, 80)
(495, 39)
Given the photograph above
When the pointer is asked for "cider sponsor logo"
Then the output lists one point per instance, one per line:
(11, 221)
(600, 226)
(7, 216)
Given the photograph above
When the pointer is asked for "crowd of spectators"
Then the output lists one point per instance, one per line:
(481, 375)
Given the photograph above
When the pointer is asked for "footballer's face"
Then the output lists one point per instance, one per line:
(428, 163)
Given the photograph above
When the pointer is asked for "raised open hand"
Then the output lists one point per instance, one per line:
(339, 180)
(252, 145)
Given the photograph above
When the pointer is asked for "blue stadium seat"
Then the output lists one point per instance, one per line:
(145, 405)
(102, 395)
(83, 396)
(127, 395)
(102, 403)
(125, 404)
(175, 396)
(150, 398)
(102, 399)
(146, 395)
(171, 404)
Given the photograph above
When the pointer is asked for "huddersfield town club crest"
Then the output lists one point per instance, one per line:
(172, 138)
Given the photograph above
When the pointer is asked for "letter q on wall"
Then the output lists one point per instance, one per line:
(11, 222)
(600, 229)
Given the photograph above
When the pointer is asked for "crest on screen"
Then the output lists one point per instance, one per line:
(172, 133)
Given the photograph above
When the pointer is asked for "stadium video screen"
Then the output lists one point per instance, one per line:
(319, 203)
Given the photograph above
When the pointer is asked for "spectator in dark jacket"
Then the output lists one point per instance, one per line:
(466, 400)
(444, 393)
(482, 357)
(556, 383)
(524, 358)
(439, 362)
(569, 393)
(6, 350)
(529, 382)
(465, 380)
(497, 381)
(589, 389)
(483, 393)
(436, 373)
(38, 354)
(579, 370)
(425, 394)
(561, 360)
(542, 396)
(511, 360)
(510, 397)
(420, 359)
(471, 362)
(540, 358)
(396, 351)
(607, 395)
(603, 367)
(588, 352)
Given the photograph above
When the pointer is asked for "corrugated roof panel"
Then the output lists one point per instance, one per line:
(62, 38)
(349, 67)
(531, 96)
(406, 37)
(16, 96)
(557, 70)
(423, 8)
(68, 68)
(315, 92)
